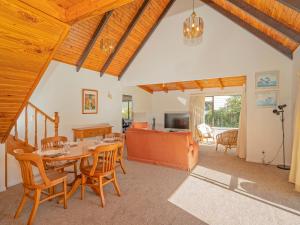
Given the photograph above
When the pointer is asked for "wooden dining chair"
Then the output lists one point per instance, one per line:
(58, 143)
(120, 137)
(48, 180)
(97, 175)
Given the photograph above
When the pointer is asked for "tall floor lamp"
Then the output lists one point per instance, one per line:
(280, 111)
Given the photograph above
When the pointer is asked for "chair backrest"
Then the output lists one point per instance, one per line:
(205, 130)
(228, 137)
(27, 161)
(105, 155)
(53, 142)
(120, 137)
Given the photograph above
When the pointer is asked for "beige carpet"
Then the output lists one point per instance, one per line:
(221, 190)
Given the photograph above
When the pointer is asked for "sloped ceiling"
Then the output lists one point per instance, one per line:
(33, 32)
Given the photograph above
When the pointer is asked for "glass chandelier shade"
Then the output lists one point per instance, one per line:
(107, 45)
(193, 26)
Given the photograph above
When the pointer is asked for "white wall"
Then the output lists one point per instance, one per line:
(142, 103)
(225, 50)
(60, 91)
(177, 101)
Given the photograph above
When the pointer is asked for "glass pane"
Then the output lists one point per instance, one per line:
(209, 111)
(227, 111)
(130, 110)
(125, 110)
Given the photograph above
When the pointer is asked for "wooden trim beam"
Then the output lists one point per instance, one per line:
(146, 88)
(294, 4)
(124, 36)
(259, 34)
(180, 86)
(165, 11)
(198, 83)
(93, 40)
(164, 87)
(221, 83)
(290, 33)
(88, 8)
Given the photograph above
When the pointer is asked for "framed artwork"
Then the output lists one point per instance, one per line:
(268, 79)
(89, 101)
(266, 98)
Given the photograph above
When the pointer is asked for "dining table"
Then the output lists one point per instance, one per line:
(75, 151)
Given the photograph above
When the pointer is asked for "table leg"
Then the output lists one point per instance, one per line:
(73, 189)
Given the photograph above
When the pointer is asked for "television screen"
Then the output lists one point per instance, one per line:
(177, 120)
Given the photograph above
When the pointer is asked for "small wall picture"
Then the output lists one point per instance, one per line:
(266, 98)
(268, 79)
(89, 101)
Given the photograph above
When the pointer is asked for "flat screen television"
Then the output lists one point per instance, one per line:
(177, 120)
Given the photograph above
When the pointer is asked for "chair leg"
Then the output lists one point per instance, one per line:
(101, 192)
(217, 147)
(115, 182)
(65, 193)
(83, 182)
(122, 166)
(36, 203)
(22, 203)
(75, 170)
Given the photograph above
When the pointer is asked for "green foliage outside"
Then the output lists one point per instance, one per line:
(227, 116)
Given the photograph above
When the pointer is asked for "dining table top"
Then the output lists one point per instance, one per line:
(76, 151)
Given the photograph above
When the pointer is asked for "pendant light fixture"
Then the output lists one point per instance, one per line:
(193, 26)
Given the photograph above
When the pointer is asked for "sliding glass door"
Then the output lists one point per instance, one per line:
(223, 111)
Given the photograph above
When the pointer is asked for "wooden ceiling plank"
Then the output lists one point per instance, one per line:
(124, 36)
(259, 34)
(290, 33)
(294, 4)
(146, 88)
(88, 8)
(48, 7)
(93, 40)
(165, 11)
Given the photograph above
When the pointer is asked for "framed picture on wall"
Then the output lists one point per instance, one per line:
(266, 98)
(89, 101)
(267, 79)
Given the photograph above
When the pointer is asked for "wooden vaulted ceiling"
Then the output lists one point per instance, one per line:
(34, 32)
(235, 81)
(129, 26)
(274, 22)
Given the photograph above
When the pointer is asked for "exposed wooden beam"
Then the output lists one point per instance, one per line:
(165, 11)
(87, 8)
(199, 84)
(146, 88)
(124, 36)
(221, 83)
(290, 33)
(180, 86)
(294, 4)
(93, 40)
(267, 39)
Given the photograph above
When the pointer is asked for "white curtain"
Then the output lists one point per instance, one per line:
(242, 135)
(295, 166)
(196, 105)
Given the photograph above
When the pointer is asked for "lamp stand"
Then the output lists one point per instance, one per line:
(283, 166)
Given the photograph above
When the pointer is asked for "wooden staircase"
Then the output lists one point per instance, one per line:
(14, 141)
